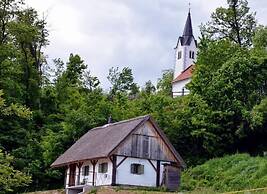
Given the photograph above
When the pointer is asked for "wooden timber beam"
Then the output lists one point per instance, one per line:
(114, 170)
(152, 165)
(121, 161)
(93, 163)
(79, 165)
(157, 170)
(158, 174)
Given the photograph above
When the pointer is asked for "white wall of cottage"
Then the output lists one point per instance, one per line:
(125, 177)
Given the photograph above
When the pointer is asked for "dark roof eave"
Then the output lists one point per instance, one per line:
(76, 161)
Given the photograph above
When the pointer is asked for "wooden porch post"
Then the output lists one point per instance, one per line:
(79, 172)
(114, 170)
(93, 163)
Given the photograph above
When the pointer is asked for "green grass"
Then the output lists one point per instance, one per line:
(230, 173)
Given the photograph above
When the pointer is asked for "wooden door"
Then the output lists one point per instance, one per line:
(171, 177)
(72, 175)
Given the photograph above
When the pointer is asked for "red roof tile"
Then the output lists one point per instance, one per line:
(187, 73)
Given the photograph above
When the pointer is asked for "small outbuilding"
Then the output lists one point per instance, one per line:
(132, 152)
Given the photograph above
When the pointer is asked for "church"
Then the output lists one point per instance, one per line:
(185, 56)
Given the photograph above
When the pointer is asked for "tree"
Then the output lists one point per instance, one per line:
(28, 33)
(10, 179)
(9, 9)
(75, 69)
(234, 23)
(122, 81)
(90, 82)
(164, 85)
(149, 88)
(211, 57)
(260, 37)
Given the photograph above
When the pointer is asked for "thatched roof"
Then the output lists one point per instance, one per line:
(99, 142)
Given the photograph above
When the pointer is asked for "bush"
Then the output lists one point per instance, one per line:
(235, 172)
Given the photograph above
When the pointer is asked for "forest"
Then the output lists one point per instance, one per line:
(46, 106)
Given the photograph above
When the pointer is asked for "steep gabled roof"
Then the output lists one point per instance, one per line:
(99, 142)
(188, 30)
(186, 74)
(187, 36)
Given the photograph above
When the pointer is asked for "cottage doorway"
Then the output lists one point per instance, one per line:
(171, 177)
(72, 175)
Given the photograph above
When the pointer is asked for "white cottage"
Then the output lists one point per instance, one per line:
(185, 55)
(132, 152)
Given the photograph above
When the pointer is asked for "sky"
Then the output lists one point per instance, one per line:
(139, 34)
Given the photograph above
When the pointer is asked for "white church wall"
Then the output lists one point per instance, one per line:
(178, 62)
(177, 87)
(188, 61)
(184, 62)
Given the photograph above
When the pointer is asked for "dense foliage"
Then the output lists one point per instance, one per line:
(45, 110)
(230, 173)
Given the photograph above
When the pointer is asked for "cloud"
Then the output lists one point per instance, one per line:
(140, 34)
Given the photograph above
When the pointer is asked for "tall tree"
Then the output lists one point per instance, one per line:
(235, 23)
(149, 88)
(164, 85)
(122, 81)
(10, 179)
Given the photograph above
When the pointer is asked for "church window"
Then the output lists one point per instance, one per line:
(179, 55)
(191, 54)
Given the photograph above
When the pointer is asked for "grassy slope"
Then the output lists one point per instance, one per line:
(230, 173)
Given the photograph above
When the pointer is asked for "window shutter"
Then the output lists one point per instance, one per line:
(141, 169)
(100, 168)
(134, 145)
(83, 170)
(145, 146)
(132, 168)
(105, 167)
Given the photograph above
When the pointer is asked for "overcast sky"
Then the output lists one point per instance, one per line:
(140, 34)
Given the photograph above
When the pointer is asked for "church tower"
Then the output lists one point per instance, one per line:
(185, 55)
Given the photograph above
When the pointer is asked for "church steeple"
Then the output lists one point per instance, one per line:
(186, 48)
(185, 57)
(188, 31)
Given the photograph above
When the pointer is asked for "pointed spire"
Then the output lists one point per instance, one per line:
(188, 31)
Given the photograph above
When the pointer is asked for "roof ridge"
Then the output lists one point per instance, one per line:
(119, 122)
